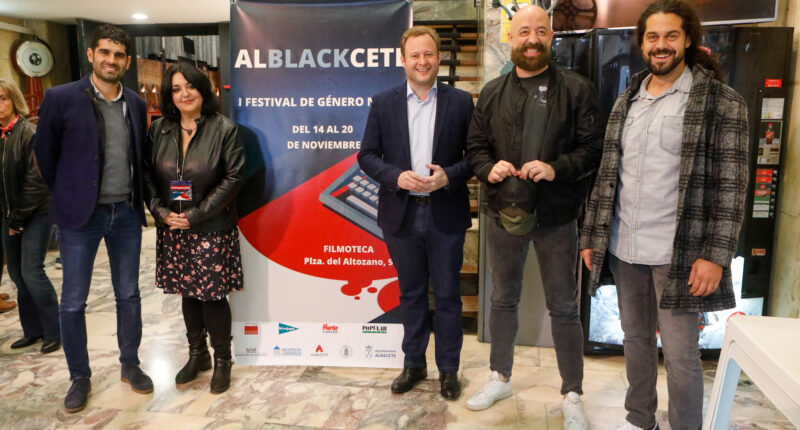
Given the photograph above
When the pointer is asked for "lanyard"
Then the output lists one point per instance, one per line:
(181, 157)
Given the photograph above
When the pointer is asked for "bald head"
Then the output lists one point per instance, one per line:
(530, 15)
(530, 37)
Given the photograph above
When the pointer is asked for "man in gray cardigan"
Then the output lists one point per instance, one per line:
(667, 205)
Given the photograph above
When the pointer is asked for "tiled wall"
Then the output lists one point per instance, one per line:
(496, 53)
(431, 10)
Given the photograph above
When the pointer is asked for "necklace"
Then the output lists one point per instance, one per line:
(10, 125)
(189, 131)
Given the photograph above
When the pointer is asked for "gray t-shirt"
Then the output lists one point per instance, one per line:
(535, 115)
(115, 185)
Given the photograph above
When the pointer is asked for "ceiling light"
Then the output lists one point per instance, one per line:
(139, 16)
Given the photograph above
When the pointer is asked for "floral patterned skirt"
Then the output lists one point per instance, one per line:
(204, 266)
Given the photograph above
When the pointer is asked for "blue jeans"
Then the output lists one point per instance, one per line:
(421, 252)
(119, 225)
(38, 302)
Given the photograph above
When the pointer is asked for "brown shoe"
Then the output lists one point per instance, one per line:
(6, 305)
(4, 296)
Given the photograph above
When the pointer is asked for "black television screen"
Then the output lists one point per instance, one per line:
(571, 15)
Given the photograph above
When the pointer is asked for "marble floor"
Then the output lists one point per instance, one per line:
(32, 385)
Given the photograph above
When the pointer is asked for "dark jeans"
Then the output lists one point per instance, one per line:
(557, 251)
(38, 302)
(421, 251)
(639, 289)
(120, 226)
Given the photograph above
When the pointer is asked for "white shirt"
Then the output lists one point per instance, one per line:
(421, 121)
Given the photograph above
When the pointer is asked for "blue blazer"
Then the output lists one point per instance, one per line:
(70, 151)
(386, 153)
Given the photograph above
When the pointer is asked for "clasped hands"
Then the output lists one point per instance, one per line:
(176, 221)
(536, 170)
(411, 181)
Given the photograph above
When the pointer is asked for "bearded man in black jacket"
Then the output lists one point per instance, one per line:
(534, 141)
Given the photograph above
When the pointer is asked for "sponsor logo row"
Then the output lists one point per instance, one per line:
(345, 351)
(252, 329)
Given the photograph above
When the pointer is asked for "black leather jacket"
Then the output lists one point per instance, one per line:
(214, 162)
(572, 144)
(23, 193)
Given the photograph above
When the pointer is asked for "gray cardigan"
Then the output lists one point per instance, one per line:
(711, 190)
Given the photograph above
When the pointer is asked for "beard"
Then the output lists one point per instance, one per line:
(663, 69)
(108, 77)
(531, 64)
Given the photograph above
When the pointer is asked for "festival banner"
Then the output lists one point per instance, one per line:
(319, 286)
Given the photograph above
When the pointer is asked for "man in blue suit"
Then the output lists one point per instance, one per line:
(414, 146)
(88, 146)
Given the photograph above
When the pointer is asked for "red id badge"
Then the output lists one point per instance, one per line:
(180, 190)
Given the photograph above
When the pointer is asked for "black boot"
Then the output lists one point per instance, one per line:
(221, 379)
(199, 358)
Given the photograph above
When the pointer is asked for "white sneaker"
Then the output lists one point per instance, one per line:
(626, 425)
(493, 389)
(572, 409)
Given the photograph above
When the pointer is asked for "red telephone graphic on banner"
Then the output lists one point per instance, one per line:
(298, 232)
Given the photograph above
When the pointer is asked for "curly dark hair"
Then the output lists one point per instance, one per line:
(113, 33)
(690, 22)
(198, 79)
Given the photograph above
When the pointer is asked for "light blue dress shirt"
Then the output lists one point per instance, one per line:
(421, 120)
(646, 213)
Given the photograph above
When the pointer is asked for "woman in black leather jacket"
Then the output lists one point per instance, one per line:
(194, 169)
(24, 201)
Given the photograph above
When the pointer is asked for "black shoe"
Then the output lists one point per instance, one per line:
(221, 378)
(199, 358)
(25, 341)
(50, 345)
(140, 382)
(77, 395)
(407, 379)
(451, 388)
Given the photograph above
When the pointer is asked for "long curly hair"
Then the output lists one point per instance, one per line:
(690, 22)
